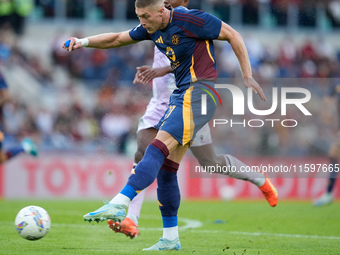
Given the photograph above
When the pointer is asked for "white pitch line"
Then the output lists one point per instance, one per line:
(191, 224)
(188, 224)
(268, 234)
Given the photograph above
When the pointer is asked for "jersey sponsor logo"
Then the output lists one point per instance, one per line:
(175, 39)
(160, 40)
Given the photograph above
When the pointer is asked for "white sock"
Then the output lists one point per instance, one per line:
(120, 199)
(133, 217)
(170, 233)
(257, 178)
(136, 204)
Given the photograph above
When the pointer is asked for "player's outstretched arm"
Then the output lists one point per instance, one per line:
(229, 34)
(100, 41)
(146, 74)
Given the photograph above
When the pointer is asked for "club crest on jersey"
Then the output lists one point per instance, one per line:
(175, 39)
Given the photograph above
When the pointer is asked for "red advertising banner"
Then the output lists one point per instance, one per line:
(103, 176)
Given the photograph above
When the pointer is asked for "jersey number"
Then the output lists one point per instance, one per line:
(171, 108)
(171, 54)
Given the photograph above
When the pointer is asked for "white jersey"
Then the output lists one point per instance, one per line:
(162, 87)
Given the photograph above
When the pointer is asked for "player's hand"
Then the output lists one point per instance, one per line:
(251, 83)
(149, 74)
(146, 74)
(74, 44)
(139, 78)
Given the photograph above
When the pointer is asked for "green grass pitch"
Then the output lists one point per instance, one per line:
(207, 227)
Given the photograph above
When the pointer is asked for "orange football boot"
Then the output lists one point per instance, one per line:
(127, 227)
(269, 191)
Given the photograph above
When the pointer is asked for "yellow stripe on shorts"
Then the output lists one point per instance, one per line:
(188, 122)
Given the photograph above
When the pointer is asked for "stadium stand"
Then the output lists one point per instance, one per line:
(71, 100)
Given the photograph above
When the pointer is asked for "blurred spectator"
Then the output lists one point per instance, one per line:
(221, 8)
(75, 8)
(282, 9)
(333, 11)
(255, 50)
(116, 126)
(7, 40)
(282, 13)
(6, 10)
(46, 8)
(287, 53)
(13, 13)
(21, 10)
(106, 8)
(307, 13)
(45, 123)
(250, 12)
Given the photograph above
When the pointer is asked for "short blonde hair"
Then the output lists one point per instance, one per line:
(147, 3)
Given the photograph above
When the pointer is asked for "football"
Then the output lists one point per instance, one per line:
(32, 222)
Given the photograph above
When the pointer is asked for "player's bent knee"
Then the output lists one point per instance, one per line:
(170, 142)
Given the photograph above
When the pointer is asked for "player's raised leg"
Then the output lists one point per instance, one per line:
(145, 173)
(129, 226)
(206, 156)
(263, 182)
